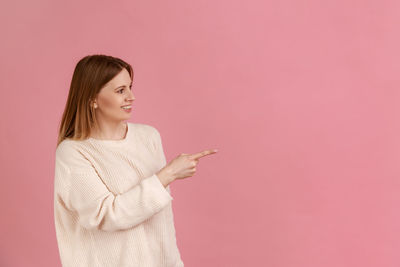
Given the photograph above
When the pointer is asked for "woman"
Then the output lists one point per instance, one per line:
(112, 201)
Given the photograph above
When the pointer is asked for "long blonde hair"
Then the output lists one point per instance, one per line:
(90, 75)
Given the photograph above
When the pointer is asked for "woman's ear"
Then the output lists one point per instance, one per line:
(93, 103)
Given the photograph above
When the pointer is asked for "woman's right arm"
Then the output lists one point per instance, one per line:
(82, 191)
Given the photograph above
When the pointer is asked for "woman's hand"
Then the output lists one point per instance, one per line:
(182, 166)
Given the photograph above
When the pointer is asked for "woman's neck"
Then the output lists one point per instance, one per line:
(107, 131)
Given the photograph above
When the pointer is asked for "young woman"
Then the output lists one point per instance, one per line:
(112, 201)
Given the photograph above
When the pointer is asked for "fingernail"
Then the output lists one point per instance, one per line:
(215, 150)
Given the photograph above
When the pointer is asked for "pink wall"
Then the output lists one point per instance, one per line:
(300, 97)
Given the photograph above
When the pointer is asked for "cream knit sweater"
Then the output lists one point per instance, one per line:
(110, 208)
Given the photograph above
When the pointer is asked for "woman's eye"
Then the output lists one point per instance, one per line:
(120, 90)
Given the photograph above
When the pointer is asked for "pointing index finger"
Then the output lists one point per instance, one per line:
(203, 153)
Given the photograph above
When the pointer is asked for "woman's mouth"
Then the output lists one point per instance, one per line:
(127, 108)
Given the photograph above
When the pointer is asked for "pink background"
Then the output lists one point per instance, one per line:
(300, 97)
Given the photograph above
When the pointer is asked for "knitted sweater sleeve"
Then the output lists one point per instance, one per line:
(84, 192)
(159, 147)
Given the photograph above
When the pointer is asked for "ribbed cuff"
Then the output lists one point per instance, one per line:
(162, 191)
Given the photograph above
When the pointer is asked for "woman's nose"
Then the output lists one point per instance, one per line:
(131, 97)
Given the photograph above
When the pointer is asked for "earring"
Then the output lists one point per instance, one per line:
(95, 105)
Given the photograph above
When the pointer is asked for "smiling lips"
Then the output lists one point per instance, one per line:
(127, 108)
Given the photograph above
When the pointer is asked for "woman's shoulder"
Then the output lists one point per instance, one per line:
(70, 150)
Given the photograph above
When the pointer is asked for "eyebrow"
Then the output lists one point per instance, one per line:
(123, 86)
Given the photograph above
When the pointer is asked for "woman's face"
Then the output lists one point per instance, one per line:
(113, 96)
